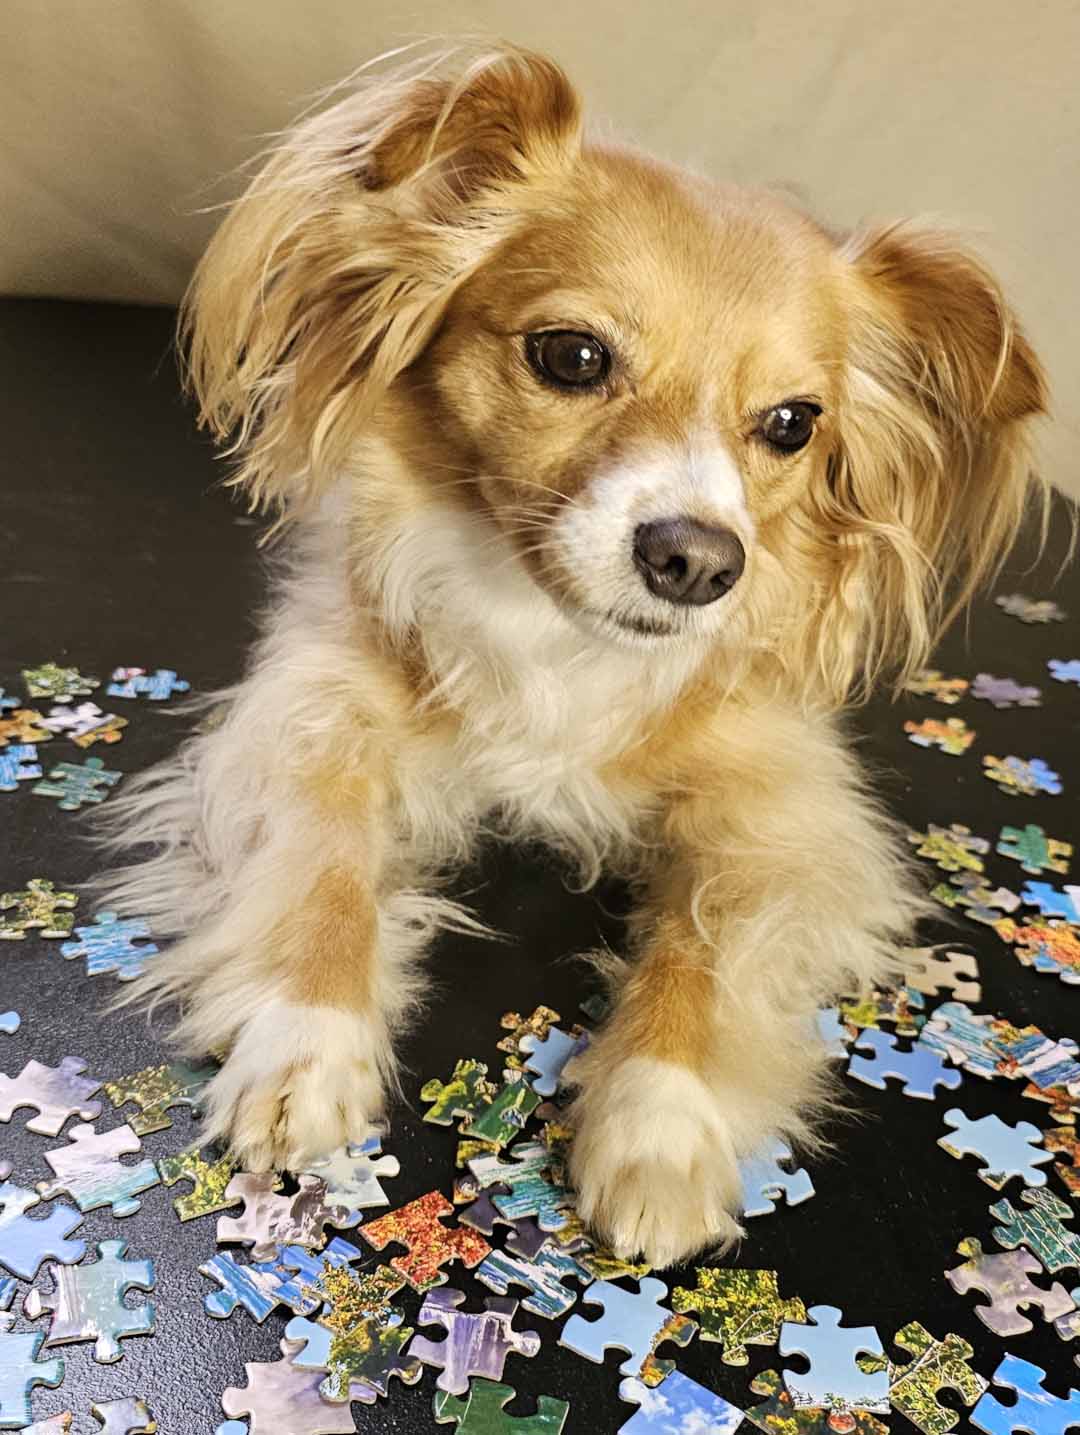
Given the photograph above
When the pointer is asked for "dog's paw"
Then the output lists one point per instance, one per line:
(299, 1082)
(654, 1161)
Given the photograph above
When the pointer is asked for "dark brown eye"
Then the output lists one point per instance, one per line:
(789, 426)
(568, 359)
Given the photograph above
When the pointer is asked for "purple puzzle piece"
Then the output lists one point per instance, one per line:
(1005, 692)
(477, 1343)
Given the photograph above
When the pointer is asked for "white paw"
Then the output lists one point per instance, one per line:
(654, 1161)
(300, 1081)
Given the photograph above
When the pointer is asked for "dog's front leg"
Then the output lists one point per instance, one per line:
(777, 888)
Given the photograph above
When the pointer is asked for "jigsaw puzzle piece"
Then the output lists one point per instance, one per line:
(1030, 610)
(538, 1023)
(1062, 1141)
(1035, 852)
(532, 1190)
(477, 1342)
(270, 1220)
(737, 1308)
(764, 1180)
(112, 945)
(779, 1415)
(680, 1404)
(1041, 1228)
(358, 1362)
(542, 1277)
(931, 683)
(1018, 776)
(1036, 1411)
(835, 1377)
(259, 1287)
(155, 1089)
(921, 1069)
(1006, 1150)
(87, 1302)
(954, 848)
(18, 764)
(464, 1096)
(1005, 1278)
(21, 1371)
(430, 1245)
(38, 907)
(280, 1396)
(955, 972)
(1005, 692)
(482, 1411)
(505, 1118)
(937, 1365)
(78, 784)
(546, 1056)
(352, 1175)
(127, 1416)
(138, 682)
(90, 1171)
(633, 1321)
(55, 1425)
(25, 1243)
(56, 1092)
(210, 1181)
(1052, 901)
(50, 680)
(1065, 672)
(965, 1037)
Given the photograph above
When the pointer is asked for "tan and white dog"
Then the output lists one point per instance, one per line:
(605, 487)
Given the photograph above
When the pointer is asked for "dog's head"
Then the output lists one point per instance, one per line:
(690, 410)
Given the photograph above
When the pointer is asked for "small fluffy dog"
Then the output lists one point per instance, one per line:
(606, 487)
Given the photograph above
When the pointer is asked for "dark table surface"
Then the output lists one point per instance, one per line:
(118, 550)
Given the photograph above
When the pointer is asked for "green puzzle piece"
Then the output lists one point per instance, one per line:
(505, 1118)
(737, 1308)
(208, 1181)
(937, 1365)
(155, 1089)
(465, 1095)
(482, 1412)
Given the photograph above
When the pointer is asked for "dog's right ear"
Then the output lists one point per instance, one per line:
(332, 271)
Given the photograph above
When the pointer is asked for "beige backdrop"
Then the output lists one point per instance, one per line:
(119, 117)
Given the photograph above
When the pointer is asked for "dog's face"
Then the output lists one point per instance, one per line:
(635, 385)
(689, 410)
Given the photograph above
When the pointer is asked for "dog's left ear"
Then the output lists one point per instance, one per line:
(927, 487)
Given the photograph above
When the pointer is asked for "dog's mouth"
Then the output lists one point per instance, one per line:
(642, 627)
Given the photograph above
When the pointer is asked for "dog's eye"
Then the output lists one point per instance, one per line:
(568, 359)
(789, 426)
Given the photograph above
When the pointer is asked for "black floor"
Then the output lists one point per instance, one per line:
(116, 551)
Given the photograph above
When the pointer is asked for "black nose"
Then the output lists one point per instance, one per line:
(688, 562)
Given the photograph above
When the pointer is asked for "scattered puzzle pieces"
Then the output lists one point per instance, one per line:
(21, 1371)
(25, 1243)
(921, 1069)
(632, 1321)
(937, 1365)
(956, 972)
(127, 1416)
(1005, 1277)
(87, 1301)
(951, 735)
(1065, 672)
(1022, 776)
(482, 1412)
(1040, 1228)
(112, 944)
(51, 680)
(1035, 852)
(1030, 610)
(77, 784)
(18, 764)
(270, 1220)
(280, 1396)
(1005, 692)
(954, 848)
(835, 1378)
(138, 683)
(38, 907)
(155, 1089)
(1006, 1150)
(431, 1245)
(765, 1180)
(477, 1343)
(1036, 1410)
(90, 1171)
(931, 683)
(465, 1095)
(737, 1308)
(57, 1093)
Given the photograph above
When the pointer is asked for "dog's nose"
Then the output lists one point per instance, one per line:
(688, 562)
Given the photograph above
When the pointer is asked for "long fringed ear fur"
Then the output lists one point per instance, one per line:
(927, 486)
(332, 271)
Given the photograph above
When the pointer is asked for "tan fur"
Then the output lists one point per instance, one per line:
(462, 641)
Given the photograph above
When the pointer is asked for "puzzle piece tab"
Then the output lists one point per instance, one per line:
(112, 944)
(546, 1056)
(482, 1411)
(1036, 1411)
(921, 1069)
(1005, 1277)
(737, 1308)
(937, 1365)
(90, 1171)
(1019, 776)
(477, 1343)
(1063, 1141)
(78, 783)
(87, 1302)
(38, 907)
(431, 1245)
(25, 1243)
(21, 1371)
(1008, 1151)
(56, 1091)
(633, 1321)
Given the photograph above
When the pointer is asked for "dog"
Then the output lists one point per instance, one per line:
(604, 489)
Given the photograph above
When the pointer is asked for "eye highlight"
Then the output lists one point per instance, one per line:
(789, 426)
(568, 359)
